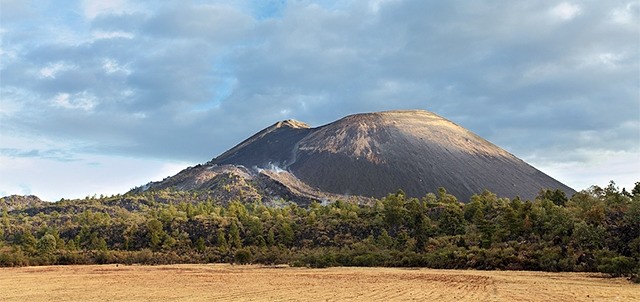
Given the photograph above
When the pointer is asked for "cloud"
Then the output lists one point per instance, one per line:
(214, 24)
(94, 8)
(566, 11)
(82, 101)
(113, 66)
(626, 14)
(52, 69)
(112, 35)
(53, 154)
(185, 81)
(595, 168)
(52, 179)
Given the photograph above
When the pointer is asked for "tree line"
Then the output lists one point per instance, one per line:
(596, 230)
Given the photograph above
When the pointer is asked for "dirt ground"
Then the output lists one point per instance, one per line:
(221, 282)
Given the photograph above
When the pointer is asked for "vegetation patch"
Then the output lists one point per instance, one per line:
(596, 230)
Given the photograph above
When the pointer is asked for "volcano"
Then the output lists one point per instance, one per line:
(374, 154)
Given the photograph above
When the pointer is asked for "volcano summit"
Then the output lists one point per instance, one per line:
(373, 154)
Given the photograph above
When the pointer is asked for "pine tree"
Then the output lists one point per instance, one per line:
(234, 236)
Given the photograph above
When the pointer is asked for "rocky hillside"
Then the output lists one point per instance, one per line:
(19, 202)
(235, 182)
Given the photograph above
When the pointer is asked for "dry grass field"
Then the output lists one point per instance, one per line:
(257, 283)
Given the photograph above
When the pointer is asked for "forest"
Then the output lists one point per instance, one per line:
(595, 230)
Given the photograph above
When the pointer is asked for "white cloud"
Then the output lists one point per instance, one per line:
(627, 15)
(97, 35)
(566, 11)
(83, 100)
(112, 66)
(11, 101)
(599, 168)
(7, 55)
(140, 115)
(375, 5)
(54, 169)
(8, 107)
(52, 69)
(93, 8)
(90, 174)
(609, 58)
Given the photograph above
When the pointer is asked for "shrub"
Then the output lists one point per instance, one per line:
(617, 266)
(12, 258)
(242, 256)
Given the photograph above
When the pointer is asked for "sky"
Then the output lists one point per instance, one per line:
(98, 97)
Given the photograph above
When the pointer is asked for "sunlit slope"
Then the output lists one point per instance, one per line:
(373, 154)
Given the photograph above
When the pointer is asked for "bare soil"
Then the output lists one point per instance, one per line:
(221, 282)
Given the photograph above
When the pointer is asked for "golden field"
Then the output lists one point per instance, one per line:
(222, 282)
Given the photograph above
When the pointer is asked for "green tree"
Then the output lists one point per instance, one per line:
(394, 211)
(485, 227)
(510, 226)
(200, 245)
(28, 242)
(271, 237)
(222, 239)
(636, 189)
(557, 196)
(5, 218)
(588, 236)
(46, 245)
(444, 197)
(156, 234)
(234, 236)
(71, 245)
(96, 242)
(384, 240)
(612, 194)
(287, 235)
(451, 220)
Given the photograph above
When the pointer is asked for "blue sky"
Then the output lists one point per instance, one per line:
(97, 97)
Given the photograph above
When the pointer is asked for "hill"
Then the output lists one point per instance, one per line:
(18, 202)
(373, 154)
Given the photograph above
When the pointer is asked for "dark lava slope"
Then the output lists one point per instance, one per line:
(374, 154)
